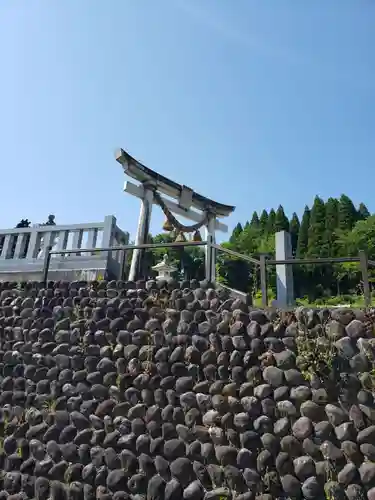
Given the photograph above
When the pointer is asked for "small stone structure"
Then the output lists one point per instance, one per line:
(22, 251)
(164, 269)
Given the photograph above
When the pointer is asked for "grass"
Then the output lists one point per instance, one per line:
(352, 300)
(50, 406)
(356, 301)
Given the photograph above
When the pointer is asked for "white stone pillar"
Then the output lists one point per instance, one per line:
(142, 230)
(284, 273)
(109, 228)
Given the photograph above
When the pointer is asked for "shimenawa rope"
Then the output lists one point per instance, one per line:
(174, 222)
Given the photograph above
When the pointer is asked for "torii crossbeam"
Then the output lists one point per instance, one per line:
(187, 204)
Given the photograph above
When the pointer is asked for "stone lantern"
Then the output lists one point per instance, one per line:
(164, 269)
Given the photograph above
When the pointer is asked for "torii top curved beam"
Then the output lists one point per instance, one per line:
(141, 173)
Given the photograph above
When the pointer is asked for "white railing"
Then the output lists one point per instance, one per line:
(22, 249)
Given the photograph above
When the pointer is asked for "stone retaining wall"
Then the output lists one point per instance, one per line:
(169, 391)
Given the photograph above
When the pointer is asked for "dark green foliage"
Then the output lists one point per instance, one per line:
(263, 219)
(233, 272)
(270, 227)
(236, 232)
(362, 237)
(303, 236)
(294, 227)
(347, 213)
(281, 220)
(332, 214)
(316, 228)
(255, 220)
(329, 229)
(362, 213)
(331, 225)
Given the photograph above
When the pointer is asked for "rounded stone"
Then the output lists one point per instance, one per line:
(302, 428)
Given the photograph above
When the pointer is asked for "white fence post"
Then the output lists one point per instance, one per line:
(19, 252)
(5, 252)
(108, 234)
(32, 251)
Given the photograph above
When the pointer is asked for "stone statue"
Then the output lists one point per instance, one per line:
(50, 222)
(24, 223)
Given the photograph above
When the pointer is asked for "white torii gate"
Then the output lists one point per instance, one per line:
(187, 204)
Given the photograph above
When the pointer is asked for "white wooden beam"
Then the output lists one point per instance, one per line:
(186, 198)
(138, 191)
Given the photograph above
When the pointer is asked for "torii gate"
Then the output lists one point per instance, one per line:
(187, 204)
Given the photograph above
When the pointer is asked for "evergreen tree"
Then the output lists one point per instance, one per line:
(347, 213)
(326, 273)
(303, 235)
(246, 226)
(281, 220)
(331, 224)
(332, 214)
(362, 213)
(263, 219)
(270, 228)
(236, 232)
(255, 220)
(294, 226)
(317, 228)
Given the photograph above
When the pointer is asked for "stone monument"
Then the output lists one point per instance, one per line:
(164, 269)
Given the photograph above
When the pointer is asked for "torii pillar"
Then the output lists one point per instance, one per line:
(143, 229)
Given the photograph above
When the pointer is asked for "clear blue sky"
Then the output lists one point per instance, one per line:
(252, 103)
